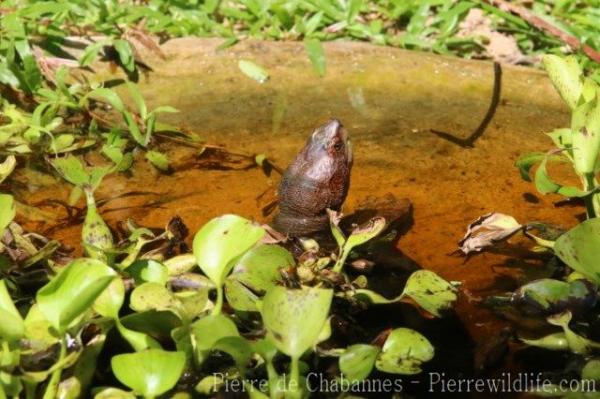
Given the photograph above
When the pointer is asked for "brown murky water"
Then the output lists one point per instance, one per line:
(388, 100)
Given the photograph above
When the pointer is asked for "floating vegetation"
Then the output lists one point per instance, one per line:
(569, 299)
(134, 286)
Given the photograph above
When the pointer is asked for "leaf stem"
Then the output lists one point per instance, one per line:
(219, 303)
(30, 388)
(273, 377)
(339, 264)
(294, 383)
(591, 201)
(52, 387)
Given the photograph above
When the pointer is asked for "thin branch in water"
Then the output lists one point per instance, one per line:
(469, 142)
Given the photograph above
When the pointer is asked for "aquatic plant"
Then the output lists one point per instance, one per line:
(578, 145)
(7, 206)
(570, 299)
(155, 317)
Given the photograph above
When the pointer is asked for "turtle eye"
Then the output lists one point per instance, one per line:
(337, 146)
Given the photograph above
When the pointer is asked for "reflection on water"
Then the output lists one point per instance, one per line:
(389, 100)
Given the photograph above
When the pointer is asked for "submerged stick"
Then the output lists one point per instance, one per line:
(469, 142)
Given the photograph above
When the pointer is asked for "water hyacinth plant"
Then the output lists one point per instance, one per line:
(569, 300)
(580, 144)
(157, 320)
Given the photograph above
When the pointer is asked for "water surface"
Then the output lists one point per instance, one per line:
(389, 100)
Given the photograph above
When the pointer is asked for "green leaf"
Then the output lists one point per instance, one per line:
(589, 90)
(35, 10)
(585, 128)
(373, 297)
(294, 318)
(238, 348)
(210, 384)
(362, 234)
(555, 341)
(12, 327)
(180, 264)
(134, 129)
(165, 109)
(221, 241)
(125, 54)
(149, 373)
(591, 370)
(69, 388)
(193, 280)
(98, 173)
(551, 296)
(153, 322)
(336, 231)
(227, 43)
(359, 236)
(150, 124)
(7, 211)
(527, 161)
(562, 138)
(61, 142)
(122, 161)
(7, 76)
(38, 330)
(240, 297)
(138, 340)
(577, 343)
(73, 291)
(253, 71)
(72, 170)
(256, 272)
(430, 291)
(138, 99)
(152, 296)
(31, 76)
(312, 24)
(403, 352)
(546, 185)
(158, 159)
(265, 348)
(113, 393)
(110, 301)
(148, 270)
(352, 10)
(579, 247)
(566, 75)
(192, 303)
(316, 54)
(357, 361)
(7, 167)
(208, 331)
(90, 53)
(109, 96)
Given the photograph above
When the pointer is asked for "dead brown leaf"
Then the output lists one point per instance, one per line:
(488, 230)
(498, 46)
